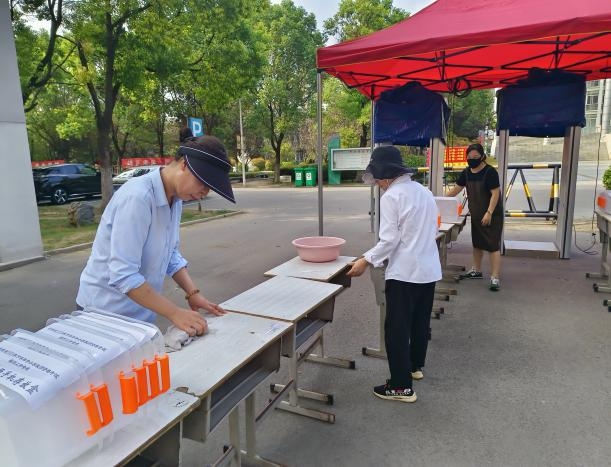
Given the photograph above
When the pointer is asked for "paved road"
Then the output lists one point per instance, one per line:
(589, 182)
(256, 241)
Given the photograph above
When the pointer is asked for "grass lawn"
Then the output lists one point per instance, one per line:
(57, 232)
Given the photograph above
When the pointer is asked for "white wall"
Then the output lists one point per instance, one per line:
(19, 229)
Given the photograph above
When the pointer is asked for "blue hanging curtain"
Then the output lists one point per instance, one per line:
(410, 115)
(544, 104)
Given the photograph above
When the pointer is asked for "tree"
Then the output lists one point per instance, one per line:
(38, 69)
(471, 113)
(289, 78)
(100, 33)
(357, 18)
(345, 112)
(200, 64)
(60, 125)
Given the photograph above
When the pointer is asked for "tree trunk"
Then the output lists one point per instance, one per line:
(277, 164)
(160, 129)
(103, 143)
(276, 142)
(363, 137)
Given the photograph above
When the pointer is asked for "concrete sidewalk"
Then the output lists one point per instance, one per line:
(519, 377)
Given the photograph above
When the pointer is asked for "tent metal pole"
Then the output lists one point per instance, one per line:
(502, 158)
(319, 150)
(375, 188)
(605, 126)
(568, 188)
(377, 274)
(436, 172)
(373, 207)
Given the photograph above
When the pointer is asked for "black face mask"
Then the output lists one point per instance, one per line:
(473, 163)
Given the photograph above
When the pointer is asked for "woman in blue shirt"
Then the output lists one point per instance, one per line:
(136, 244)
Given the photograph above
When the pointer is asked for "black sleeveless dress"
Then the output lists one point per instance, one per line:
(483, 237)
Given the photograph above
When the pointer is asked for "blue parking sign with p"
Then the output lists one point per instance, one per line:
(196, 125)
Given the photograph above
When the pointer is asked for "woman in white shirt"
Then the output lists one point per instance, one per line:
(408, 227)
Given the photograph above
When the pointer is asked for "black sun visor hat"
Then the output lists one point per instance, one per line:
(210, 169)
(386, 162)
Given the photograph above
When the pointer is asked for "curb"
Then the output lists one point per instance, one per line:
(19, 263)
(84, 246)
(220, 216)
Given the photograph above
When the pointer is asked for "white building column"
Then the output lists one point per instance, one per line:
(20, 239)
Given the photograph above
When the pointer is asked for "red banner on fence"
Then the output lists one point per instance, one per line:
(130, 162)
(47, 163)
(455, 156)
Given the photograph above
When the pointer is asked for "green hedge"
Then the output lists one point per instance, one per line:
(258, 174)
(258, 163)
(607, 179)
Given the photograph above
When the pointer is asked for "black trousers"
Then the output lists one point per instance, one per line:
(406, 328)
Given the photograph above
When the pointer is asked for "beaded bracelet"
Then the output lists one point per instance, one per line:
(190, 294)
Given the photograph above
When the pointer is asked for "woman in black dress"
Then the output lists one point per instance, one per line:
(483, 193)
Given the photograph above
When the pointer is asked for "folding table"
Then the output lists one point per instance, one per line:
(224, 367)
(306, 304)
(333, 272)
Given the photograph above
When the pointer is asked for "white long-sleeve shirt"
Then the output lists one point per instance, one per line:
(408, 226)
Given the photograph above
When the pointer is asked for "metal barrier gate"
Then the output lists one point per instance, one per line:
(554, 198)
(552, 211)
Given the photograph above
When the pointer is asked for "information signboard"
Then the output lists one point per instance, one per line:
(350, 158)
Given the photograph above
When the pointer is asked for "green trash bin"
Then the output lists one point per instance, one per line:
(310, 176)
(299, 176)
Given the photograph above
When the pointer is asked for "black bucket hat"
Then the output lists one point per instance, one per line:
(211, 167)
(386, 162)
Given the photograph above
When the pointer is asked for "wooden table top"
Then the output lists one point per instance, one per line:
(324, 272)
(283, 298)
(231, 341)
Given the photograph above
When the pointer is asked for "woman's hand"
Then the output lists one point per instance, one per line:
(487, 219)
(358, 267)
(199, 302)
(189, 321)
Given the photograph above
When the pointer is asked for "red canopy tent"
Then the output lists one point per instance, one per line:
(454, 45)
(457, 44)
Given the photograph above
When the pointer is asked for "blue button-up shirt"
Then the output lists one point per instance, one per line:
(137, 241)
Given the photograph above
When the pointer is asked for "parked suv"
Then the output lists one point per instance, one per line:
(59, 183)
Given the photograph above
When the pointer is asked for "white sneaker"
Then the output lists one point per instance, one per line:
(495, 284)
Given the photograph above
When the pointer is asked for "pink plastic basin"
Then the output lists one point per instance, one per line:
(318, 249)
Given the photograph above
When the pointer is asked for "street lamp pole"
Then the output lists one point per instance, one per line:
(243, 159)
